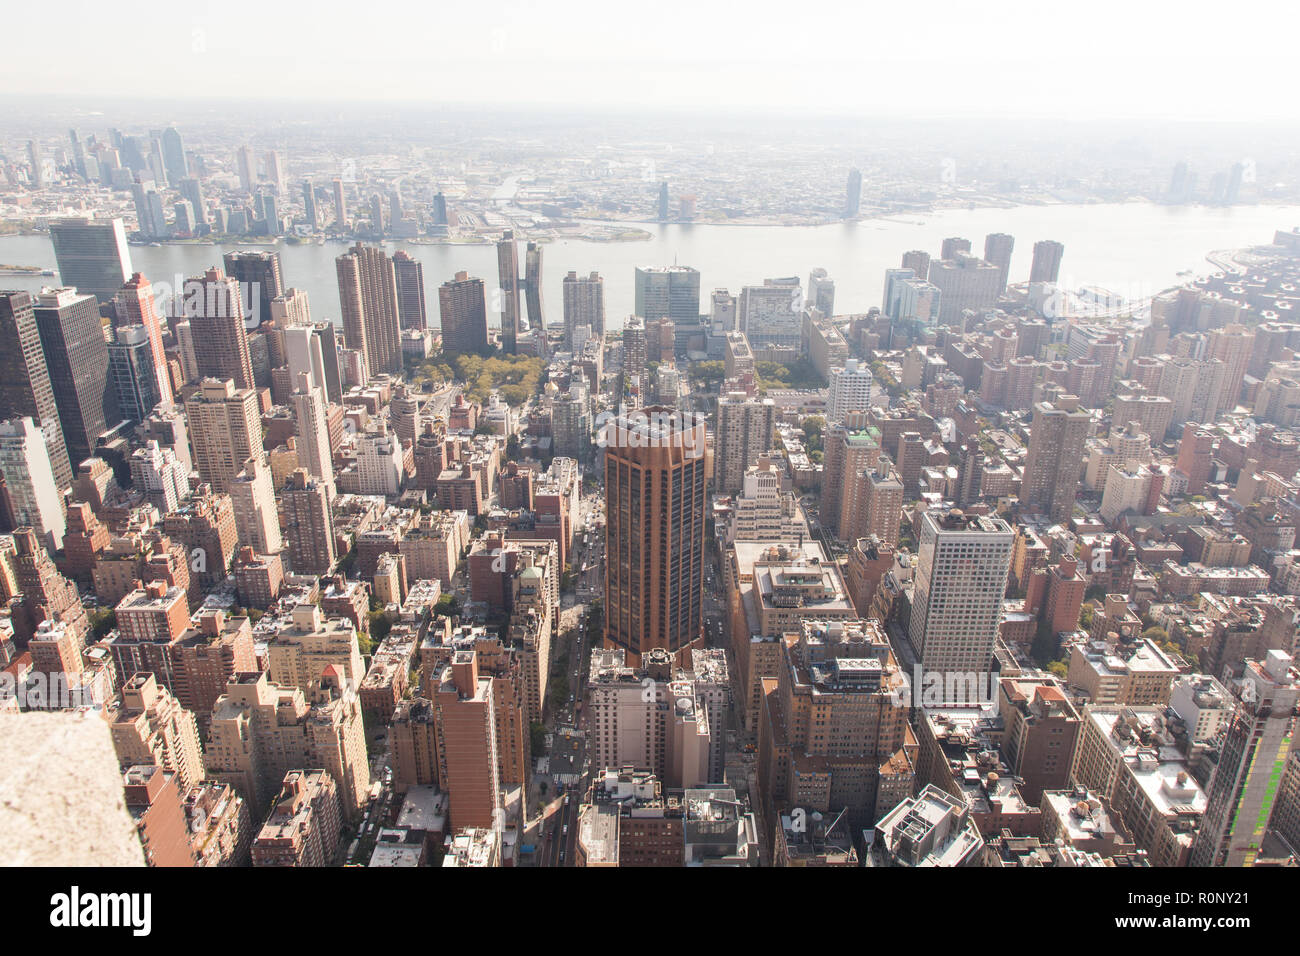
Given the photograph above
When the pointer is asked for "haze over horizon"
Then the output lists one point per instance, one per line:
(676, 55)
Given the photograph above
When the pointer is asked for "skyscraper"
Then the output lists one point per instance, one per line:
(309, 205)
(821, 292)
(953, 245)
(1232, 345)
(1052, 464)
(655, 466)
(252, 492)
(340, 207)
(671, 292)
(92, 255)
(36, 163)
(1047, 261)
(894, 278)
(25, 380)
(131, 369)
(584, 304)
(744, 433)
(246, 168)
(313, 430)
(997, 251)
(771, 314)
(31, 495)
(275, 169)
(533, 288)
(964, 282)
(76, 355)
(149, 213)
(508, 276)
(78, 154)
(215, 311)
(918, 260)
(663, 201)
(634, 355)
(850, 391)
(1243, 790)
(226, 428)
(173, 151)
(307, 524)
(303, 355)
(260, 282)
(464, 710)
(853, 202)
(961, 578)
(134, 305)
(368, 300)
(463, 313)
(327, 334)
(192, 191)
(410, 291)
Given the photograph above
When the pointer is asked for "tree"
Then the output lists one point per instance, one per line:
(1058, 669)
(560, 689)
(447, 606)
(1045, 647)
(595, 622)
(1157, 635)
(708, 374)
(102, 620)
(380, 625)
(814, 428)
(537, 737)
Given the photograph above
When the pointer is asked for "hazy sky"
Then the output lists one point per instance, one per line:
(1105, 58)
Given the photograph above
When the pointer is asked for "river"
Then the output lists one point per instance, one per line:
(1133, 249)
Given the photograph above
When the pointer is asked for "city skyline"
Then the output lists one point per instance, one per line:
(905, 476)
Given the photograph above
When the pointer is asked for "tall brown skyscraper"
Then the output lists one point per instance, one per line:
(463, 313)
(212, 305)
(308, 529)
(656, 460)
(1055, 457)
(25, 388)
(465, 717)
(368, 300)
(508, 273)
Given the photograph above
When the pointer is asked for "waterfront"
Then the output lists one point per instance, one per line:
(1133, 249)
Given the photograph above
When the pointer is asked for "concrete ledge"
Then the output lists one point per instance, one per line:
(61, 798)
